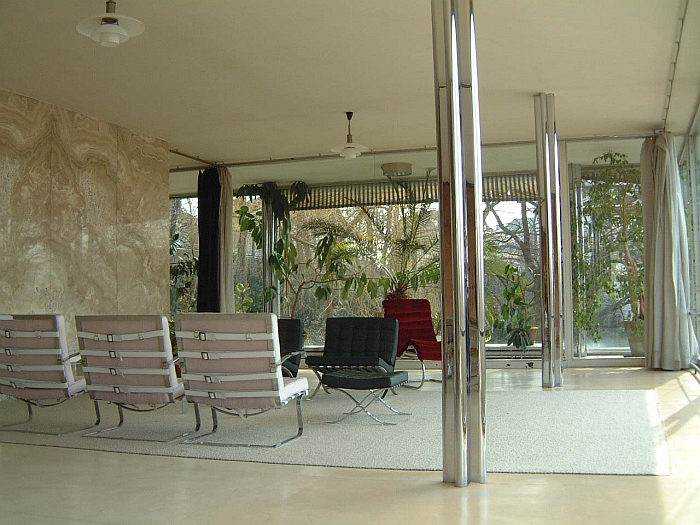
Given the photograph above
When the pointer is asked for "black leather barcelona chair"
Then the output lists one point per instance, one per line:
(357, 343)
(291, 334)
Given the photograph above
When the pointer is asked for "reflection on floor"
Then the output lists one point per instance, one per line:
(41, 485)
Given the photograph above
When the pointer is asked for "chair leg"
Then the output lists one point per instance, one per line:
(361, 406)
(423, 379)
(215, 426)
(319, 386)
(30, 418)
(120, 408)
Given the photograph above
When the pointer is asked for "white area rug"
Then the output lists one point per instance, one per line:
(588, 432)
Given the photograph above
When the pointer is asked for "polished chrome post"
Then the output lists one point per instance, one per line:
(567, 267)
(269, 235)
(461, 235)
(550, 241)
(558, 252)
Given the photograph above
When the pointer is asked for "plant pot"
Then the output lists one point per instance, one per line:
(534, 333)
(635, 336)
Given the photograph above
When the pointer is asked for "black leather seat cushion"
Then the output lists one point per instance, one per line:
(362, 380)
(291, 334)
(360, 342)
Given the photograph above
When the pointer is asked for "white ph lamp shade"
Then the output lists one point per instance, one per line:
(110, 29)
(350, 150)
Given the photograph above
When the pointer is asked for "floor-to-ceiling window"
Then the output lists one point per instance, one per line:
(690, 179)
(607, 248)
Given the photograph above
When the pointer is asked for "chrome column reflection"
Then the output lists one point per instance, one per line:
(461, 235)
(550, 239)
(567, 268)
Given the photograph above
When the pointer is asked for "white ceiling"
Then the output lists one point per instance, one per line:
(245, 80)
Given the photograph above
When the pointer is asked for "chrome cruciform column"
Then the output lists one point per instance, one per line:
(548, 182)
(461, 236)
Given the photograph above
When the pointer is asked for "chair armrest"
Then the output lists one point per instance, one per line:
(285, 357)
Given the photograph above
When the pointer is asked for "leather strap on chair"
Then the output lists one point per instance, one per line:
(231, 395)
(228, 355)
(14, 334)
(116, 371)
(214, 336)
(11, 367)
(31, 351)
(113, 338)
(122, 354)
(129, 389)
(28, 383)
(221, 378)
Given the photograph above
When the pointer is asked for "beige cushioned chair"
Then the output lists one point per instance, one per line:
(128, 361)
(35, 365)
(232, 364)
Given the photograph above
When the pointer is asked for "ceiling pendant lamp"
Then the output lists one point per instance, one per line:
(110, 29)
(350, 150)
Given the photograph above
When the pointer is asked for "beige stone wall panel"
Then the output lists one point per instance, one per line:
(85, 222)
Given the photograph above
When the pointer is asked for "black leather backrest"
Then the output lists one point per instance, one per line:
(291, 333)
(362, 337)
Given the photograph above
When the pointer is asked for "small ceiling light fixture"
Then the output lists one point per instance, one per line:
(397, 169)
(110, 29)
(350, 150)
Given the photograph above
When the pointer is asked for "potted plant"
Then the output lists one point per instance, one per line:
(295, 269)
(515, 319)
(613, 211)
(409, 247)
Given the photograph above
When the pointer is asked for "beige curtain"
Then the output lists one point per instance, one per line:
(670, 340)
(226, 298)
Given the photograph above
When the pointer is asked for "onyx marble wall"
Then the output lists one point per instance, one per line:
(83, 214)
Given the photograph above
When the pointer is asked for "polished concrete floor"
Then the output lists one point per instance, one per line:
(41, 485)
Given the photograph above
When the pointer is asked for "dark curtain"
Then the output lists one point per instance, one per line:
(209, 195)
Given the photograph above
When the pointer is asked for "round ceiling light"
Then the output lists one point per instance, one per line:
(397, 169)
(110, 29)
(350, 150)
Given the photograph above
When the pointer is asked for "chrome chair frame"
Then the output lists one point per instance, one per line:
(410, 354)
(244, 415)
(361, 406)
(30, 418)
(133, 408)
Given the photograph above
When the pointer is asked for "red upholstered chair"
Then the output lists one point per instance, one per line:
(417, 338)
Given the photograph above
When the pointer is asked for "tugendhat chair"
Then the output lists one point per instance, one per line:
(128, 362)
(417, 339)
(232, 364)
(35, 364)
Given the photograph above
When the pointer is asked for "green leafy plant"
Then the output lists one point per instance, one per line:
(612, 211)
(405, 246)
(183, 273)
(515, 320)
(295, 275)
(184, 266)
(244, 299)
